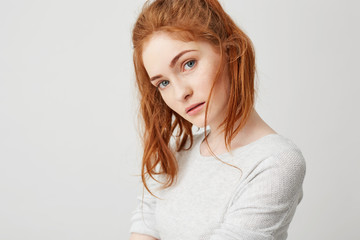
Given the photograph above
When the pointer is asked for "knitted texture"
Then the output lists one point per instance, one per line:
(214, 201)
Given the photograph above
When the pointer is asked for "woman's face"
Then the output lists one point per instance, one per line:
(184, 73)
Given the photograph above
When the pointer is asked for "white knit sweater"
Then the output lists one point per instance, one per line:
(214, 201)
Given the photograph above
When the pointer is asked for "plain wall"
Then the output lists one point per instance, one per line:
(69, 150)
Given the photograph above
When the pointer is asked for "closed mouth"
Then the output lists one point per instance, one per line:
(195, 107)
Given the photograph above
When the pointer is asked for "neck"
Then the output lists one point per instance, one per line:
(254, 128)
(218, 134)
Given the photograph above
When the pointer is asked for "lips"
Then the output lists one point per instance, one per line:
(193, 106)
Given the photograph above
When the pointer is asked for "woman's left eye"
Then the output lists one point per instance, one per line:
(190, 64)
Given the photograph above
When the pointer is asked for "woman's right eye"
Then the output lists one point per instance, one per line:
(163, 84)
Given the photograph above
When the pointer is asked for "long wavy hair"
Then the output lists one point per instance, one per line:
(189, 20)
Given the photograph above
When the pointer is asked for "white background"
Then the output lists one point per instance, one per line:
(69, 151)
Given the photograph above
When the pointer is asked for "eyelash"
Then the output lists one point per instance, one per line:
(158, 85)
(192, 60)
(183, 66)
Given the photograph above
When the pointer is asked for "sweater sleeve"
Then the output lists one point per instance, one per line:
(264, 204)
(143, 217)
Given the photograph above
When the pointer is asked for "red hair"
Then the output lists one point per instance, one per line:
(189, 20)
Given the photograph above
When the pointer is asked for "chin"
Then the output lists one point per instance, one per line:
(198, 121)
(198, 124)
(195, 123)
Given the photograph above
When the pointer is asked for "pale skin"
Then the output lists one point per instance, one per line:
(184, 73)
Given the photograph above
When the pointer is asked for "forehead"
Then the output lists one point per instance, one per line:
(161, 48)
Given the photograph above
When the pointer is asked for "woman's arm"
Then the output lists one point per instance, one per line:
(137, 236)
(143, 223)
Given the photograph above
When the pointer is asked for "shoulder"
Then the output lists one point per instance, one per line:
(285, 152)
(289, 164)
(274, 172)
(276, 155)
(277, 147)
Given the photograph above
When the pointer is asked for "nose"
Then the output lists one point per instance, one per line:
(183, 91)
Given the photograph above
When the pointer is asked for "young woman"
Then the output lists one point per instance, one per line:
(236, 179)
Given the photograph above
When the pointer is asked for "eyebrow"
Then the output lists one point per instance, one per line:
(172, 63)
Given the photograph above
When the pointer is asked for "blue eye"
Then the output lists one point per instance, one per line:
(163, 84)
(190, 64)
